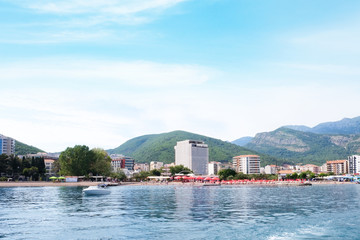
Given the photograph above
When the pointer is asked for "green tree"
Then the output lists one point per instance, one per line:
(179, 169)
(155, 172)
(32, 172)
(119, 175)
(102, 162)
(225, 173)
(141, 176)
(76, 161)
(303, 175)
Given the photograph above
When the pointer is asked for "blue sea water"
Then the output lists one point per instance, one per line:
(182, 212)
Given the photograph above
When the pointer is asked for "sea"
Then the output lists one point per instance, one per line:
(182, 212)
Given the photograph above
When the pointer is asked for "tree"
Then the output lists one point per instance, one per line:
(225, 173)
(141, 175)
(119, 175)
(303, 175)
(102, 162)
(32, 172)
(179, 169)
(76, 161)
(155, 172)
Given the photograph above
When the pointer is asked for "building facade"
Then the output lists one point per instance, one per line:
(270, 169)
(354, 164)
(7, 145)
(247, 164)
(142, 167)
(338, 167)
(193, 155)
(120, 162)
(156, 165)
(49, 167)
(213, 168)
(310, 167)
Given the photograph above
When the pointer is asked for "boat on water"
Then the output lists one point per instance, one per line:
(97, 190)
(305, 184)
(211, 184)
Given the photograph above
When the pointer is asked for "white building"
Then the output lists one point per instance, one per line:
(270, 169)
(142, 167)
(7, 145)
(354, 164)
(247, 164)
(213, 168)
(156, 165)
(193, 155)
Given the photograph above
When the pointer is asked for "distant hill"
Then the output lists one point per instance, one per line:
(242, 141)
(160, 147)
(22, 149)
(305, 147)
(344, 126)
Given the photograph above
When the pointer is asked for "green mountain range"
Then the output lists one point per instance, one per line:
(22, 149)
(305, 147)
(160, 147)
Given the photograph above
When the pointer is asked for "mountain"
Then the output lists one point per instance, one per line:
(344, 126)
(22, 149)
(160, 147)
(305, 147)
(242, 141)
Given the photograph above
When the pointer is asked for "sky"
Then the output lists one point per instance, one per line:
(98, 73)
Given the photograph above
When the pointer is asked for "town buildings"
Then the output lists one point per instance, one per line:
(310, 167)
(338, 167)
(121, 162)
(193, 155)
(354, 164)
(270, 169)
(7, 145)
(142, 167)
(247, 164)
(156, 165)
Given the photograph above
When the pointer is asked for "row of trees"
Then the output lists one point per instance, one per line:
(157, 172)
(12, 166)
(231, 174)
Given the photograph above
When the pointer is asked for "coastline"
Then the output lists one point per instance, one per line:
(87, 184)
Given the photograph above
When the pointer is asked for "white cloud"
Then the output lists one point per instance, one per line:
(137, 73)
(98, 11)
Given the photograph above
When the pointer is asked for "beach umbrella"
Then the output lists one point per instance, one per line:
(61, 177)
(53, 178)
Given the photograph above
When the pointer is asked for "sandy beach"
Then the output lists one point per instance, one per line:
(86, 184)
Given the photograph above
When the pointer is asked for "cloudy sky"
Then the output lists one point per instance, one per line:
(99, 73)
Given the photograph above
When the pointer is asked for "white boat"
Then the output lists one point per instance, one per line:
(97, 190)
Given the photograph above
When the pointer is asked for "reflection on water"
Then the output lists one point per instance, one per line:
(181, 212)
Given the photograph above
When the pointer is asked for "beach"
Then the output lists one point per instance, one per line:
(88, 183)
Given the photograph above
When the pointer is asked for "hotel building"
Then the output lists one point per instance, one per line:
(338, 166)
(7, 145)
(247, 164)
(193, 155)
(354, 164)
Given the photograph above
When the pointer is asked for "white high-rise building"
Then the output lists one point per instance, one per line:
(193, 155)
(354, 164)
(7, 145)
(247, 164)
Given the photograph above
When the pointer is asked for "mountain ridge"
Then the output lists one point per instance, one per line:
(160, 147)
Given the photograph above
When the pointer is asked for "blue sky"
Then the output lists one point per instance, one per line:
(101, 72)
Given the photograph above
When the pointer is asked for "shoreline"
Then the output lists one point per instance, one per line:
(87, 184)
